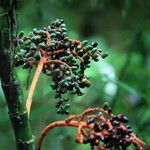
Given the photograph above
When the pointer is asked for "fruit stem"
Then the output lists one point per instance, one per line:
(33, 84)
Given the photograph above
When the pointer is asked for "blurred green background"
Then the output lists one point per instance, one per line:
(122, 28)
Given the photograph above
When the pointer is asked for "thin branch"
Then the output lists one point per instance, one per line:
(33, 84)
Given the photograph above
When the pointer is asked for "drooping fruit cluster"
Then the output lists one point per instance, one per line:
(101, 129)
(64, 59)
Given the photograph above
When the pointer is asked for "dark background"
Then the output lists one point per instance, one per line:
(122, 28)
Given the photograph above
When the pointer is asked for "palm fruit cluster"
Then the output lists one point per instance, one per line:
(66, 59)
(108, 131)
(99, 128)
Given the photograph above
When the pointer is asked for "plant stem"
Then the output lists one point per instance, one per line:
(33, 84)
(51, 126)
(11, 88)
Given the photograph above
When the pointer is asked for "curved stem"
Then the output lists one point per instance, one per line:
(33, 84)
(58, 124)
(60, 62)
(47, 129)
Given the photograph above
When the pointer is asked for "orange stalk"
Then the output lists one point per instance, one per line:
(59, 124)
(33, 84)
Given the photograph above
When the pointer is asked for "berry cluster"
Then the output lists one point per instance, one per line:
(63, 59)
(101, 129)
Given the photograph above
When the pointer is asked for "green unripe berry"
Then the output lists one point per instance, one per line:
(35, 38)
(35, 31)
(67, 106)
(94, 44)
(104, 55)
(88, 48)
(67, 73)
(99, 50)
(86, 57)
(85, 42)
(22, 51)
(79, 47)
(58, 111)
(74, 78)
(63, 25)
(42, 45)
(49, 28)
(16, 57)
(41, 32)
(33, 47)
(61, 100)
(21, 41)
(68, 78)
(62, 81)
(26, 65)
(66, 84)
(53, 35)
(66, 112)
(27, 42)
(64, 29)
(105, 105)
(66, 38)
(19, 55)
(57, 71)
(84, 80)
(52, 44)
(48, 72)
(21, 34)
(53, 31)
(37, 56)
(65, 34)
(58, 33)
(31, 34)
(95, 57)
(81, 53)
(28, 55)
(31, 59)
(94, 50)
(53, 85)
(67, 52)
